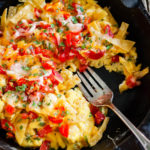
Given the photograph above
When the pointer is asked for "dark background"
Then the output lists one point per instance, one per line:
(135, 104)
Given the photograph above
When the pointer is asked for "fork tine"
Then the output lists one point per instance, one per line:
(98, 79)
(90, 89)
(91, 80)
(84, 91)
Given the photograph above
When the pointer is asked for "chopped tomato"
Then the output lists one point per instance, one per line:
(64, 130)
(9, 109)
(38, 50)
(107, 30)
(14, 46)
(5, 124)
(24, 115)
(94, 55)
(32, 115)
(93, 109)
(99, 117)
(2, 71)
(42, 132)
(37, 12)
(47, 53)
(57, 76)
(49, 65)
(45, 145)
(115, 58)
(21, 81)
(131, 82)
(54, 38)
(66, 16)
(9, 88)
(87, 20)
(55, 120)
(9, 135)
(68, 39)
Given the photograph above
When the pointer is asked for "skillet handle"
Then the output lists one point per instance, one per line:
(131, 3)
(145, 142)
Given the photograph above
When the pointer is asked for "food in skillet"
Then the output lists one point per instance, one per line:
(41, 47)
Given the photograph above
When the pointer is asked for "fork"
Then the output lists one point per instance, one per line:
(98, 94)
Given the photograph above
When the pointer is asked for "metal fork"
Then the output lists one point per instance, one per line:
(98, 93)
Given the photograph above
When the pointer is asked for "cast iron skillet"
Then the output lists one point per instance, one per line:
(135, 104)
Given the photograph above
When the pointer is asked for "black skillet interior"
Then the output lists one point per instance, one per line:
(135, 103)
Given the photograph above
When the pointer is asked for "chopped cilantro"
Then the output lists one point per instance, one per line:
(42, 123)
(21, 88)
(33, 104)
(52, 25)
(36, 42)
(58, 95)
(45, 31)
(59, 30)
(83, 46)
(61, 44)
(40, 103)
(17, 27)
(81, 8)
(74, 20)
(51, 85)
(108, 46)
(39, 119)
(49, 46)
(90, 115)
(25, 68)
(7, 125)
(21, 127)
(70, 7)
(38, 139)
(24, 105)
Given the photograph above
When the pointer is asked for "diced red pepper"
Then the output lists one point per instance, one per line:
(107, 30)
(24, 115)
(94, 55)
(49, 65)
(5, 124)
(64, 130)
(115, 58)
(42, 132)
(131, 82)
(37, 12)
(32, 115)
(9, 109)
(55, 120)
(2, 71)
(45, 145)
(82, 67)
(93, 109)
(99, 117)
(9, 135)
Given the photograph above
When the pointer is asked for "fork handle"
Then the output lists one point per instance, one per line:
(139, 135)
